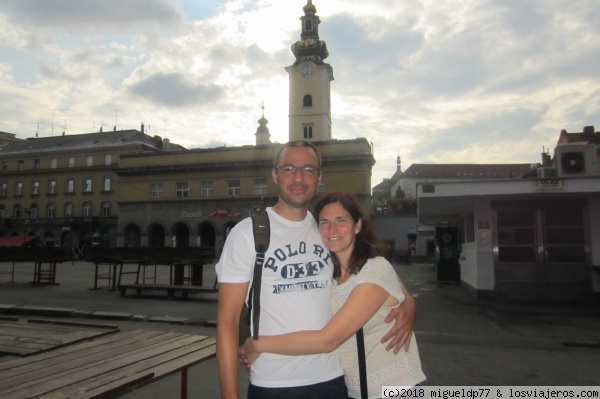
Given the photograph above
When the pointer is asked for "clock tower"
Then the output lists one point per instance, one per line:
(310, 79)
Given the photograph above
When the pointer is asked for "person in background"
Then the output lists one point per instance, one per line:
(365, 289)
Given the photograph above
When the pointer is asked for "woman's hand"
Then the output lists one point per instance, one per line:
(249, 353)
(401, 332)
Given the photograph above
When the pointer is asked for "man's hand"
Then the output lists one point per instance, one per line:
(401, 332)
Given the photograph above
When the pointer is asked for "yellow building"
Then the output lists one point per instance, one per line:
(189, 198)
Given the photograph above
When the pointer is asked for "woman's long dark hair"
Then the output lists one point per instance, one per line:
(367, 244)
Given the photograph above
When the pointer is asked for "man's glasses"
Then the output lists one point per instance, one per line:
(306, 170)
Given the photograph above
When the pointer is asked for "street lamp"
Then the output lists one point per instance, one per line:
(25, 224)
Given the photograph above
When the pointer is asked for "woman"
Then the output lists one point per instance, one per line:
(365, 288)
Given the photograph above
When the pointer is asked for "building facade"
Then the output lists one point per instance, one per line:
(536, 238)
(63, 190)
(194, 198)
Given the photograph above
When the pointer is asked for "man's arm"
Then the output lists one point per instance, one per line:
(405, 316)
(231, 302)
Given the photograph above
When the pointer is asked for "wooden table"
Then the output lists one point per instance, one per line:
(27, 338)
(107, 367)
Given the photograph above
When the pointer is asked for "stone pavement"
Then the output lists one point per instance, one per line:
(462, 341)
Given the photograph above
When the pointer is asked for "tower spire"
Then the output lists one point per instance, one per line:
(310, 47)
(262, 132)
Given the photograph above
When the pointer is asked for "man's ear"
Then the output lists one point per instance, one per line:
(274, 175)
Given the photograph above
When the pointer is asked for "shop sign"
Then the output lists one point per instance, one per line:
(552, 185)
(224, 212)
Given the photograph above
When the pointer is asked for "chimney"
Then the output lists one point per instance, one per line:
(546, 159)
(159, 142)
(166, 144)
(142, 127)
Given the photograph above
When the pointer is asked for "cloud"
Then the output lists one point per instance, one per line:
(174, 90)
(455, 81)
(92, 15)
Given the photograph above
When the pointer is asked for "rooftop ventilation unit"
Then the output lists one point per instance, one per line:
(576, 159)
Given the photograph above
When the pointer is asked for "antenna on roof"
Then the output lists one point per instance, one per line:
(38, 128)
(116, 113)
(52, 120)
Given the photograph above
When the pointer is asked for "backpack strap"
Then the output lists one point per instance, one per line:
(262, 235)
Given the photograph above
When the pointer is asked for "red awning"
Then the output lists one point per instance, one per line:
(16, 241)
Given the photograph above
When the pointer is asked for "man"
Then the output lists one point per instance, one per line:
(295, 290)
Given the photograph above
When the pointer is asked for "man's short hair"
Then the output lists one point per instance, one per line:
(296, 144)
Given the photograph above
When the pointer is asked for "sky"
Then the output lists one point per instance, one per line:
(431, 81)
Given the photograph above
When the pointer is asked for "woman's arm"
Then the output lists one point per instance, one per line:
(361, 305)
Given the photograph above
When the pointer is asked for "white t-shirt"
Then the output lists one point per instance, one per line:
(383, 367)
(295, 294)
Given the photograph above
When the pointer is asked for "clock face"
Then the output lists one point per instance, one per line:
(307, 71)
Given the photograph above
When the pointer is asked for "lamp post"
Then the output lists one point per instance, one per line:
(25, 224)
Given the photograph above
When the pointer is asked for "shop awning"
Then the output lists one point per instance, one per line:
(16, 241)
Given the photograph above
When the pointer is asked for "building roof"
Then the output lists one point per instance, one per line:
(589, 135)
(85, 141)
(467, 171)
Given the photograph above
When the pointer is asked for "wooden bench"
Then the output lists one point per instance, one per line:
(186, 271)
(186, 268)
(110, 366)
(34, 336)
(44, 259)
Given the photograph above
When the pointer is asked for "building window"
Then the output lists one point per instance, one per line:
(33, 211)
(70, 186)
(308, 25)
(89, 160)
(4, 166)
(308, 131)
(71, 162)
(207, 188)
(19, 188)
(35, 189)
(321, 187)
(106, 184)
(3, 189)
(50, 211)
(157, 190)
(2, 212)
(182, 190)
(260, 186)
(88, 185)
(86, 209)
(565, 235)
(53, 163)
(69, 210)
(516, 235)
(105, 209)
(21, 165)
(307, 101)
(17, 211)
(233, 188)
(36, 164)
(107, 159)
(52, 186)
